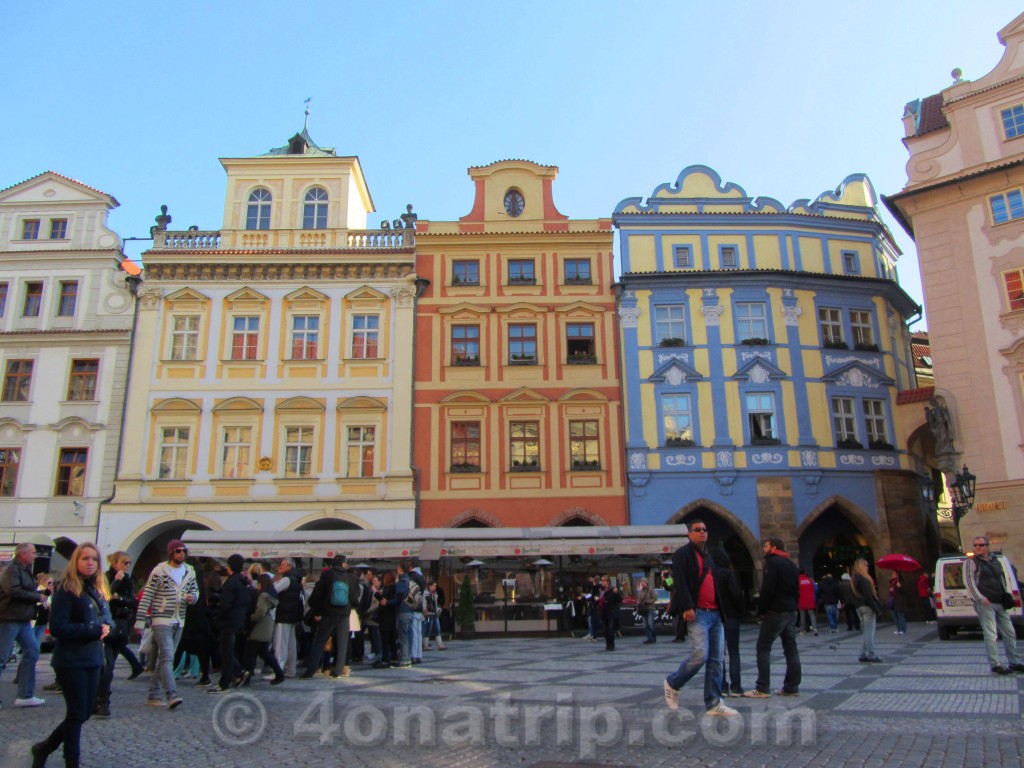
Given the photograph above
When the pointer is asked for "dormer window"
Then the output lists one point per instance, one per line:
(297, 145)
(257, 215)
(314, 209)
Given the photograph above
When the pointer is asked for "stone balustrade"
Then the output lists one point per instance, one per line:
(192, 240)
(363, 239)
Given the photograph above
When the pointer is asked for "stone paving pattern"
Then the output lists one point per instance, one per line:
(932, 704)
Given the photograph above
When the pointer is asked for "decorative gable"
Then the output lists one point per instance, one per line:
(857, 376)
(675, 372)
(246, 298)
(524, 394)
(758, 371)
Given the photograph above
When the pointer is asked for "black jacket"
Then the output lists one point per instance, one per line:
(289, 606)
(320, 599)
(234, 603)
(18, 594)
(687, 578)
(780, 590)
(828, 591)
(122, 595)
(76, 623)
(730, 596)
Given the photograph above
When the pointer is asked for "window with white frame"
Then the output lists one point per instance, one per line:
(298, 451)
(365, 336)
(670, 324)
(862, 329)
(173, 453)
(830, 322)
(235, 461)
(305, 337)
(1014, 282)
(874, 421)
(727, 256)
(1013, 121)
(245, 338)
(682, 257)
(761, 417)
(362, 443)
(1006, 206)
(843, 422)
(184, 337)
(257, 213)
(851, 262)
(751, 320)
(677, 419)
(314, 209)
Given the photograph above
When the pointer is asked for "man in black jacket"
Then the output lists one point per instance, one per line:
(234, 613)
(18, 602)
(694, 595)
(332, 608)
(777, 603)
(288, 585)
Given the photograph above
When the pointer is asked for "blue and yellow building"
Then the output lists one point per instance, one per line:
(763, 349)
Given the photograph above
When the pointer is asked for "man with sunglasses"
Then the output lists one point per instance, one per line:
(170, 589)
(695, 597)
(986, 585)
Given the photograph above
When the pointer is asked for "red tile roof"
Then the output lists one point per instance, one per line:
(932, 117)
(919, 395)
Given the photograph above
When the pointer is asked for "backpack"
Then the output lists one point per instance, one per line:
(414, 599)
(339, 593)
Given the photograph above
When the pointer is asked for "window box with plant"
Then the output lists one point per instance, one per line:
(835, 344)
(577, 281)
(866, 347)
(466, 360)
(755, 341)
(881, 445)
(465, 467)
(527, 465)
(672, 341)
(581, 465)
(523, 360)
(522, 280)
(849, 444)
(581, 358)
(679, 442)
(764, 441)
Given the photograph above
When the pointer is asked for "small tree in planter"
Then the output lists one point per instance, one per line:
(465, 611)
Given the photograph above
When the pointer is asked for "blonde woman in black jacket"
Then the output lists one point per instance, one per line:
(79, 621)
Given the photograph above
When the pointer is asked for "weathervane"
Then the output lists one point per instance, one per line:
(305, 126)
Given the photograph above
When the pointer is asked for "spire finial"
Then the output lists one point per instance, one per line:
(305, 125)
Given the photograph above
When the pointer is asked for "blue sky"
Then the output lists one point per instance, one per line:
(785, 100)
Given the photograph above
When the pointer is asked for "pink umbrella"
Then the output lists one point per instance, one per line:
(898, 563)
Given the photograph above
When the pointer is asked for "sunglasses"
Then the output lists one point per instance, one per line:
(698, 530)
(181, 549)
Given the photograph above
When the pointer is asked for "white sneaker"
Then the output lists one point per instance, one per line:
(671, 696)
(721, 711)
(32, 701)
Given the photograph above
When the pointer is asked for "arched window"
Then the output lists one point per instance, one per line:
(314, 211)
(257, 215)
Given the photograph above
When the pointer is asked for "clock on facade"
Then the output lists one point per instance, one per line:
(514, 202)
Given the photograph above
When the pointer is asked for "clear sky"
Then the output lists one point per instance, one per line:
(784, 99)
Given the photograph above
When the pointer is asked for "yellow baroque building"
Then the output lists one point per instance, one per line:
(270, 387)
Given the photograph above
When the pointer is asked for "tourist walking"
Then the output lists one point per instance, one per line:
(865, 597)
(19, 599)
(777, 603)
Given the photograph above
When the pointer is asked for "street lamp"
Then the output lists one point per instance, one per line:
(928, 494)
(962, 489)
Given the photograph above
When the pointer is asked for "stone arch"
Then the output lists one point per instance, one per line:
(875, 539)
(146, 545)
(467, 518)
(858, 516)
(578, 513)
(336, 522)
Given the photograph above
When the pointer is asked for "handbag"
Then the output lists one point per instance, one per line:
(1008, 602)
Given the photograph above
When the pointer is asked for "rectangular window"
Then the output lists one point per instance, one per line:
(465, 345)
(577, 271)
(863, 332)
(305, 337)
(584, 445)
(298, 452)
(82, 380)
(843, 423)
(1014, 280)
(1013, 121)
(185, 337)
(237, 449)
(830, 323)
(851, 263)
(465, 273)
(68, 298)
(579, 343)
(173, 453)
(33, 299)
(524, 445)
(751, 320)
(9, 459)
(522, 344)
(874, 421)
(677, 419)
(682, 257)
(727, 256)
(1007, 206)
(30, 229)
(761, 418)
(521, 272)
(670, 325)
(17, 381)
(58, 229)
(465, 446)
(3, 298)
(365, 332)
(361, 446)
(245, 338)
(71, 472)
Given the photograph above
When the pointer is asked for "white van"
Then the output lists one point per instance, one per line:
(954, 609)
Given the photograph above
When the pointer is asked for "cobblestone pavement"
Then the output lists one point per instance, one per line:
(554, 702)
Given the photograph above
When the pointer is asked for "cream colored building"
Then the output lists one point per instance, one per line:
(271, 386)
(65, 322)
(964, 206)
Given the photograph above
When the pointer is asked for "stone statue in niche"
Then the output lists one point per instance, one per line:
(941, 425)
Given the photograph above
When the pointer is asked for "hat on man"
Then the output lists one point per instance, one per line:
(236, 563)
(174, 544)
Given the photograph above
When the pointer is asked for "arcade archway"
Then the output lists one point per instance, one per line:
(832, 541)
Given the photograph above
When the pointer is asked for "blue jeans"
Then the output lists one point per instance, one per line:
(432, 627)
(867, 630)
(901, 620)
(24, 633)
(406, 621)
(417, 636)
(775, 625)
(649, 630)
(707, 635)
(989, 616)
(78, 687)
(165, 638)
(832, 614)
